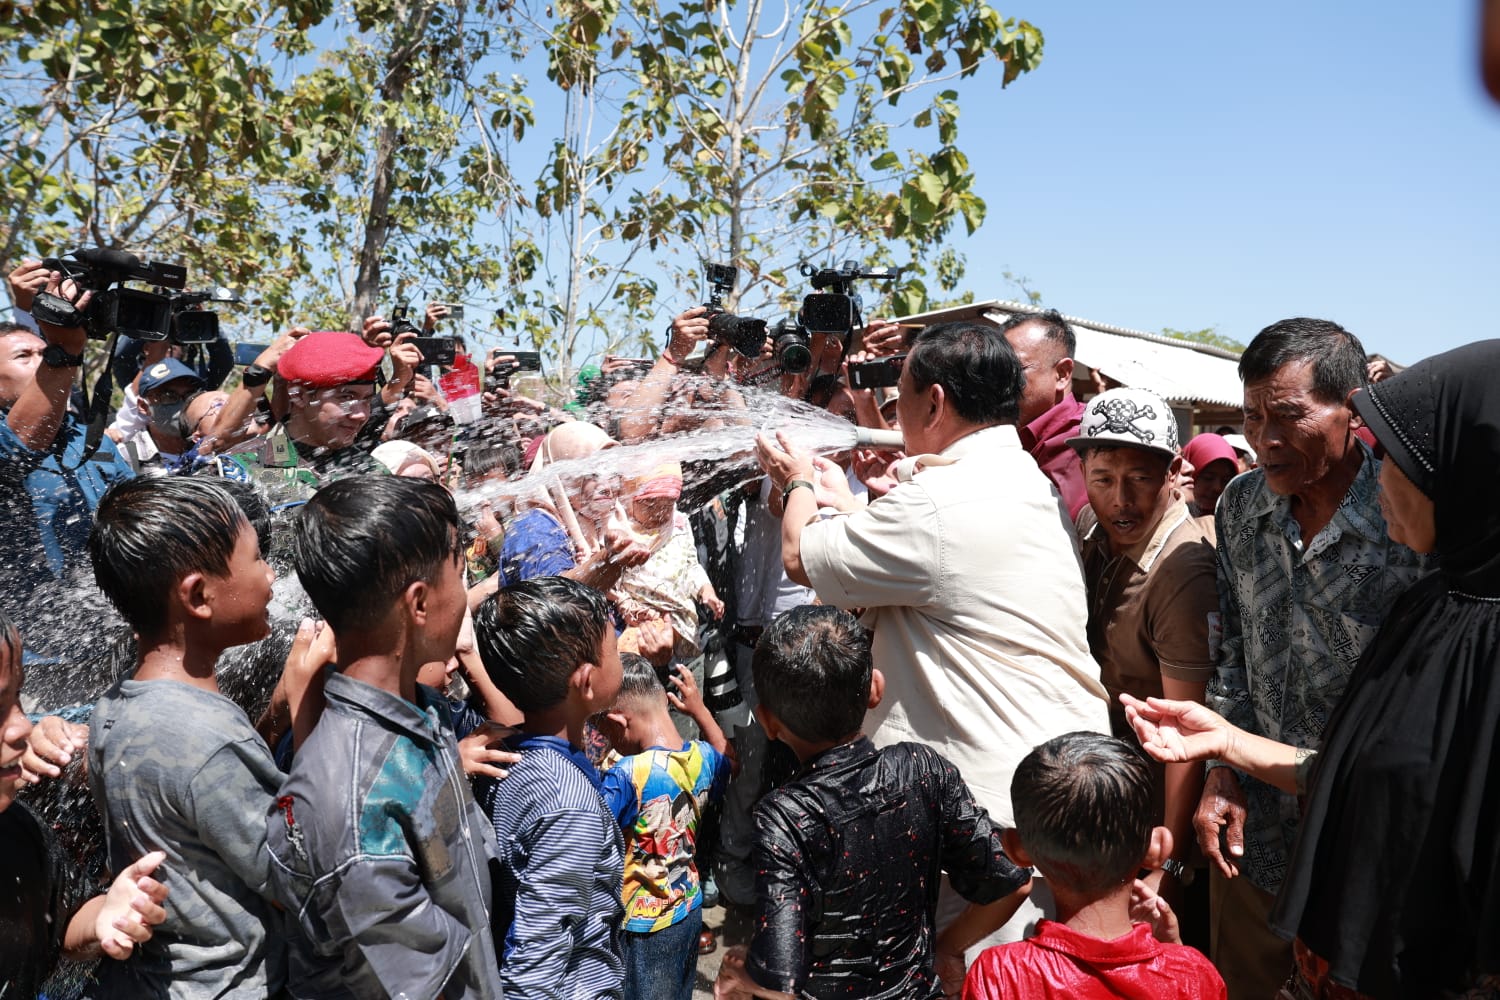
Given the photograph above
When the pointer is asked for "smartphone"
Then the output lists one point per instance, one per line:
(245, 354)
(525, 361)
(436, 350)
(455, 311)
(882, 373)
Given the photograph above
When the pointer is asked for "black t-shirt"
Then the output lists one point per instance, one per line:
(42, 890)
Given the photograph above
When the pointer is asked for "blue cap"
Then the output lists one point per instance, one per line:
(155, 376)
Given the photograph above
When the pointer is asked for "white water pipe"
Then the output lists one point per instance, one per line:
(868, 437)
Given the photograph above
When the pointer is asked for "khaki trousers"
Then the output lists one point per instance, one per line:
(1253, 960)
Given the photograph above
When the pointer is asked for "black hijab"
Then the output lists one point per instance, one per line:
(1395, 880)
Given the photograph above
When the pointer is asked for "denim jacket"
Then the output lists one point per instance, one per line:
(379, 849)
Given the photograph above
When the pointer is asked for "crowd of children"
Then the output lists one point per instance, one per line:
(335, 847)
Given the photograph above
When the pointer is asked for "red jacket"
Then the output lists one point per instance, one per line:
(1061, 964)
(1044, 439)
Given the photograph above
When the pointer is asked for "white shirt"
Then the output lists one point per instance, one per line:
(975, 592)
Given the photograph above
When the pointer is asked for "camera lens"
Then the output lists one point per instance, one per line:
(793, 355)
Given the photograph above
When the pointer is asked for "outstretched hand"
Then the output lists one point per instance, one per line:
(1176, 732)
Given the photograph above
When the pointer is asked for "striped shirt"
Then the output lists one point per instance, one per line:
(557, 907)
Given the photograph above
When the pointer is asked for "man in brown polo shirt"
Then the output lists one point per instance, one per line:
(1149, 568)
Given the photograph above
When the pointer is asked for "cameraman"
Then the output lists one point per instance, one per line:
(644, 407)
(162, 397)
(50, 481)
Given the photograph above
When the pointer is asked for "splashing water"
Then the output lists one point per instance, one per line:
(85, 647)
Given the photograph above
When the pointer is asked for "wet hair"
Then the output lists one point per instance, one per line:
(361, 541)
(482, 460)
(976, 367)
(534, 634)
(150, 533)
(1084, 810)
(640, 680)
(1336, 355)
(252, 503)
(812, 668)
(1053, 327)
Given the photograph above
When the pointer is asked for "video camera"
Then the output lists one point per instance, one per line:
(743, 333)
(834, 313)
(168, 313)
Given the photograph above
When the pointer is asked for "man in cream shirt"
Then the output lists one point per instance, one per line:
(968, 570)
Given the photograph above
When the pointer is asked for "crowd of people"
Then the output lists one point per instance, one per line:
(1046, 703)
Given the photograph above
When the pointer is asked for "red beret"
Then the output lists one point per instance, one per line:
(329, 359)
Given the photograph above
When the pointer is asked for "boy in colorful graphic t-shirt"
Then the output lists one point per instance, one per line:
(658, 793)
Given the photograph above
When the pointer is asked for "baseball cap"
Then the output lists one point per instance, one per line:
(328, 359)
(157, 375)
(1128, 418)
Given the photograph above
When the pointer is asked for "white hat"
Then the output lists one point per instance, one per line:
(1130, 418)
(1239, 444)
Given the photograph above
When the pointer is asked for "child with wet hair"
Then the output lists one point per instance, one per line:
(549, 646)
(850, 852)
(376, 843)
(49, 910)
(658, 793)
(1085, 819)
(174, 765)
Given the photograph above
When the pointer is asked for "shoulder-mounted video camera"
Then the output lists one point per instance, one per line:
(166, 312)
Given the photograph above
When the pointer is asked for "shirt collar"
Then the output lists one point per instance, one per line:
(418, 721)
(994, 436)
(838, 756)
(1062, 418)
(1359, 511)
(1128, 949)
(1144, 553)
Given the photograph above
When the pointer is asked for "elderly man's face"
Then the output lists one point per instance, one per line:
(1298, 438)
(20, 356)
(1130, 489)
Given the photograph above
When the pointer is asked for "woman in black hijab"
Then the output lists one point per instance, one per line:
(1394, 886)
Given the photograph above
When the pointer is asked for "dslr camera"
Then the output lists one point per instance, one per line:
(743, 333)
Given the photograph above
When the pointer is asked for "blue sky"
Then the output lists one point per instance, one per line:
(1203, 164)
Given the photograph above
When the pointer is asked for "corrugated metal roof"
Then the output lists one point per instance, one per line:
(1179, 371)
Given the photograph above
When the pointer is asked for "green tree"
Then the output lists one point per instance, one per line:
(1209, 335)
(764, 136)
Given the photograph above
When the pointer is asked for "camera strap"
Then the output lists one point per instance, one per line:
(96, 405)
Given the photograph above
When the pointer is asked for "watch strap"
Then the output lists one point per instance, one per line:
(255, 376)
(786, 491)
(56, 356)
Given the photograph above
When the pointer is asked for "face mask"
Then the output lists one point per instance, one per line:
(168, 418)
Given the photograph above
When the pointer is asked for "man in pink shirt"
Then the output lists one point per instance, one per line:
(1049, 412)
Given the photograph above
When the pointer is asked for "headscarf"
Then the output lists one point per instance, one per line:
(660, 481)
(1395, 880)
(568, 442)
(397, 455)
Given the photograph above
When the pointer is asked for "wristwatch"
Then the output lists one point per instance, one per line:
(786, 491)
(55, 357)
(1178, 870)
(255, 376)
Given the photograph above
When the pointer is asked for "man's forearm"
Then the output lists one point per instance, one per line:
(799, 509)
(38, 414)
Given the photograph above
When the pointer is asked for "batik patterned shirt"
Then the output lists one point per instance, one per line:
(1295, 622)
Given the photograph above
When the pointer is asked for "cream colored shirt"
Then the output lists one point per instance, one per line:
(973, 586)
